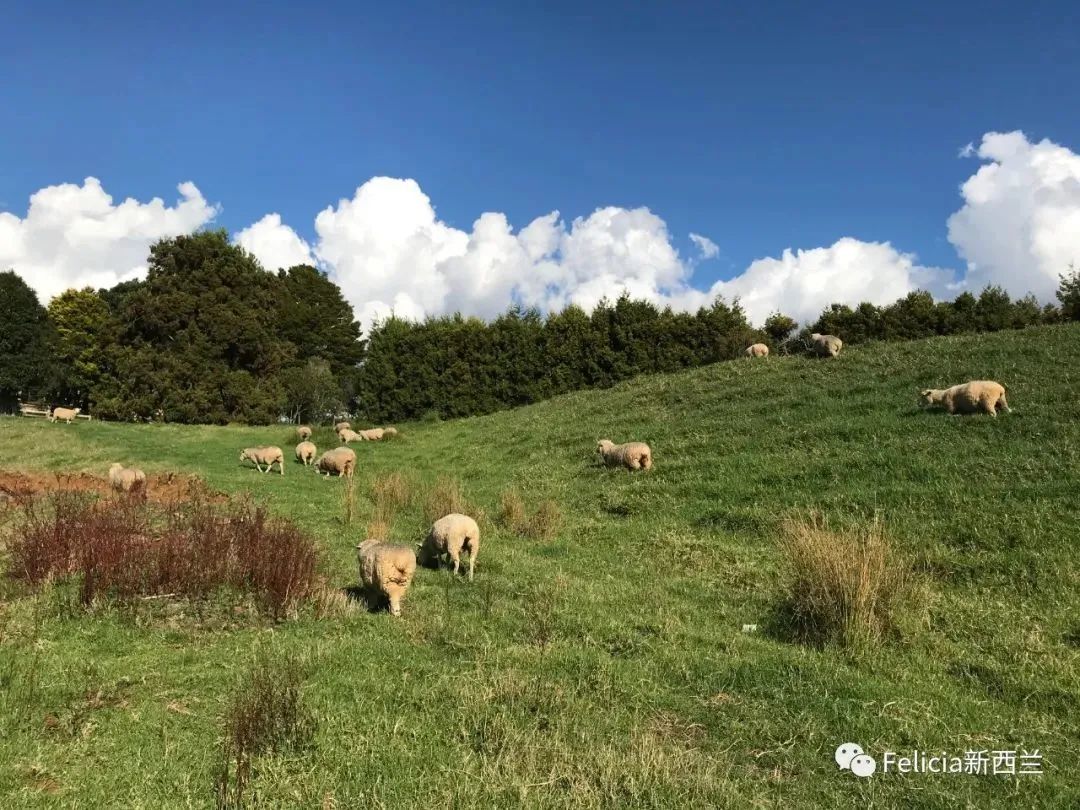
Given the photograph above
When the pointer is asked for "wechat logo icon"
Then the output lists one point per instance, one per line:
(851, 757)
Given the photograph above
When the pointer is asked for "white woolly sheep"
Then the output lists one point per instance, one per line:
(264, 455)
(340, 460)
(632, 455)
(451, 535)
(826, 345)
(340, 426)
(126, 479)
(390, 431)
(757, 350)
(969, 397)
(348, 435)
(305, 452)
(372, 434)
(303, 433)
(386, 571)
(65, 414)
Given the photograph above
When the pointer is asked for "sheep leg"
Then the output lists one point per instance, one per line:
(989, 406)
(455, 556)
(472, 563)
(1004, 405)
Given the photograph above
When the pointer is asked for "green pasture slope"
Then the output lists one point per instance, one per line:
(608, 667)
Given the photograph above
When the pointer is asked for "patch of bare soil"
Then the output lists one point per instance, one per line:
(161, 488)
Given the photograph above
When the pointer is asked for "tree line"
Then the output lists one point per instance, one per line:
(210, 337)
(207, 337)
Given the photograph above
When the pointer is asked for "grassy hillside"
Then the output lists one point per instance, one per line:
(608, 667)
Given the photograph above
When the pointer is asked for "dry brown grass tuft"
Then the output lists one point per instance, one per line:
(391, 492)
(845, 586)
(333, 603)
(348, 501)
(378, 528)
(266, 714)
(445, 498)
(545, 523)
(513, 516)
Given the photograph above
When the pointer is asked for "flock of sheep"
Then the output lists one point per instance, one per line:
(387, 569)
(340, 460)
(822, 345)
(970, 397)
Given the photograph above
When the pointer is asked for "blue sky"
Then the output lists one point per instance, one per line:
(764, 127)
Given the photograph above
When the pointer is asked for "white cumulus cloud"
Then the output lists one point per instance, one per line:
(802, 283)
(709, 249)
(74, 236)
(389, 252)
(274, 244)
(1019, 226)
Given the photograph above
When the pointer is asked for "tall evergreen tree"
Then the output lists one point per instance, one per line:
(1069, 294)
(200, 337)
(317, 320)
(82, 341)
(779, 327)
(24, 339)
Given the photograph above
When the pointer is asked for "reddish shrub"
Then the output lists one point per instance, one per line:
(123, 548)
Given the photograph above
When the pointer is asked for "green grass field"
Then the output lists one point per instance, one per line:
(608, 666)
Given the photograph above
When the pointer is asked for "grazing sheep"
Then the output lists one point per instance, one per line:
(970, 397)
(372, 434)
(386, 570)
(66, 414)
(264, 455)
(303, 433)
(452, 535)
(826, 345)
(305, 452)
(757, 350)
(632, 455)
(390, 431)
(340, 426)
(126, 479)
(348, 435)
(340, 460)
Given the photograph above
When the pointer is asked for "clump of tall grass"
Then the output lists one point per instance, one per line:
(446, 497)
(846, 586)
(391, 492)
(348, 501)
(266, 714)
(543, 524)
(512, 515)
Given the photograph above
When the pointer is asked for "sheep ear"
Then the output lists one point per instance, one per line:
(925, 392)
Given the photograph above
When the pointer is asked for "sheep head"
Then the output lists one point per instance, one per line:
(395, 604)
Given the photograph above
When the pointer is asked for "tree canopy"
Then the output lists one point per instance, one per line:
(209, 336)
(25, 362)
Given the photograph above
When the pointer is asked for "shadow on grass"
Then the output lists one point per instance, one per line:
(362, 596)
